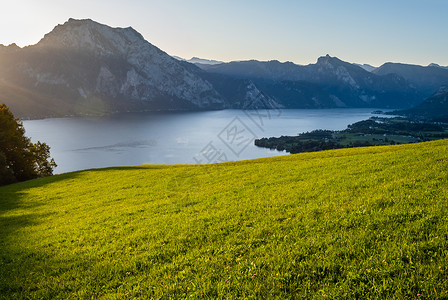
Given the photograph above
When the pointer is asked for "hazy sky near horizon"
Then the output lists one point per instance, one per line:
(367, 31)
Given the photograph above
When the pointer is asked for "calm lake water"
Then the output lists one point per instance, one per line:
(177, 138)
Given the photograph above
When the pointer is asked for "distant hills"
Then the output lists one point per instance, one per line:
(197, 60)
(438, 66)
(427, 80)
(83, 67)
(330, 82)
(367, 67)
(435, 108)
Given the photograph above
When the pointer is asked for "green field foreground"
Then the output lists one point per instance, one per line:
(362, 222)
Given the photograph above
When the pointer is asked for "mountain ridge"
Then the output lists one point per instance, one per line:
(83, 67)
(331, 82)
(426, 78)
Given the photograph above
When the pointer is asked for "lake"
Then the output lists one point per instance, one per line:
(177, 138)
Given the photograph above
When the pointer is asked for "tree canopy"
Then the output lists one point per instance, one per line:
(20, 159)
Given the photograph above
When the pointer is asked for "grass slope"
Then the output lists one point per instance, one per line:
(364, 222)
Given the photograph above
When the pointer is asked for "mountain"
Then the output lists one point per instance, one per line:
(238, 93)
(201, 61)
(254, 69)
(438, 66)
(330, 82)
(178, 58)
(197, 60)
(83, 67)
(241, 93)
(434, 108)
(426, 79)
(366, 67)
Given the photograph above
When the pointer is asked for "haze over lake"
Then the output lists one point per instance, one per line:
(177, 138)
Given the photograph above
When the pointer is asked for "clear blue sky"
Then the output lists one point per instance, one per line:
(362, 31)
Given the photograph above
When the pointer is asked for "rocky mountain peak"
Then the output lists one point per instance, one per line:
(329, 62)
(95, 67)
(324, 60)
(92, 36)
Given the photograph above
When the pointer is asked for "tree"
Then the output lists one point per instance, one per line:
(20, 159)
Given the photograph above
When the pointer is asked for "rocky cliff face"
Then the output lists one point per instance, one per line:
(83, 67)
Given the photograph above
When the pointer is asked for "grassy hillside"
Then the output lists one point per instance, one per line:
(364, 222)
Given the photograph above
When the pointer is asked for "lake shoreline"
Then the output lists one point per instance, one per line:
(129, 139)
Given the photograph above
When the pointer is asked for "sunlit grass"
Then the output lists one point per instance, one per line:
(364, 222)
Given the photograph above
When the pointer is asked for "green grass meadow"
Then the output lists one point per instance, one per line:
(349, 223)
